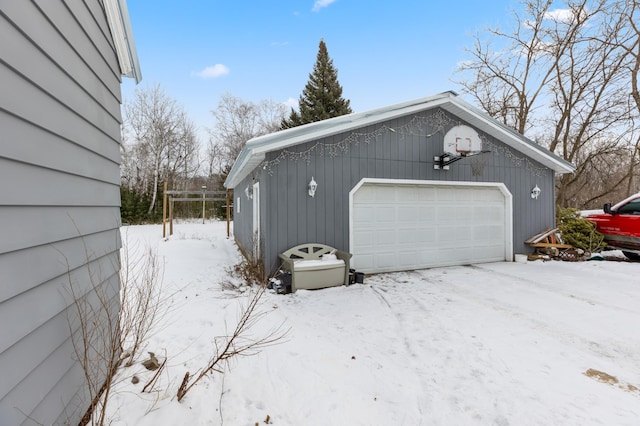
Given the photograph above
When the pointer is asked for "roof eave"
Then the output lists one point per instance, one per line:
(122, 34)
(256, 149)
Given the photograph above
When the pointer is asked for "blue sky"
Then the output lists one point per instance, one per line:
(385, 52)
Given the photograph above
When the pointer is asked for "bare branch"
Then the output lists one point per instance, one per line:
(238, 343)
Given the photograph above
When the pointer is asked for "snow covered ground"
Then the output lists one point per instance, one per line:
(541, 343)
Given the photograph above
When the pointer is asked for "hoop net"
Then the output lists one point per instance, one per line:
(477, 164)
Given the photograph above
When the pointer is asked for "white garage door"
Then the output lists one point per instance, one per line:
(404, 226)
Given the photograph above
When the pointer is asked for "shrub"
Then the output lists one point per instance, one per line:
(578, 231)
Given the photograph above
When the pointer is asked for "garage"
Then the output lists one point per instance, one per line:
(401, 225)
(419, 184)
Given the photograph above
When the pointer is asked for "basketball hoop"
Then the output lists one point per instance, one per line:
(461, 142)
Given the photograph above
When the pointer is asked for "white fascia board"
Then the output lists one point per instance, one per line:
(122, 34)
(241, 168)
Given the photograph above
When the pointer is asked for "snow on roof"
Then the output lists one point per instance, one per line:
(255, 150)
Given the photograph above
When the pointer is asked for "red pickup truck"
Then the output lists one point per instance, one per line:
(620, 225)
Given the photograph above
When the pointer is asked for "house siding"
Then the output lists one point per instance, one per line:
(59, 211)
(243, 216)
(379, 153)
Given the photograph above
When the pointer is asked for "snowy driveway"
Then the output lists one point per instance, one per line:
(495, 344)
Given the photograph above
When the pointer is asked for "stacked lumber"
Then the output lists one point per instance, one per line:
(548, 245)
(550, 237)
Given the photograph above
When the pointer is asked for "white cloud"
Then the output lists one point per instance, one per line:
(291, 103)
(561, 15)
(319, 4)
(213, 71)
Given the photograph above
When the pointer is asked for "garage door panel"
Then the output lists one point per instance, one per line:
(427, 194)
(427, 235)
(364, 215)
(493, 253)
(455, 256)
(428, 257)
(427, 213)
(454, 235)
(408, 213)
(489, 212)
(408, 235)
(368, 194)
(385, 193)
(444, 215)
(488, 233)
(366, 262)
(422, 236)
(443, 194)
(417, 226)
(464, 195)
(385, 237)
(385, 214)
(489, 195)
(386, 261)
(365, 239)
(407, 259)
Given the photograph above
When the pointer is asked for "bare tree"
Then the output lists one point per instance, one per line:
(237, 121)
(632, 46)
(509, 79)
(560, 77)
(589, 107)
(160, 140)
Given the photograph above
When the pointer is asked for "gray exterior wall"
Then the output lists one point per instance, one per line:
(291, 217)
(59, 209)
(243, 215)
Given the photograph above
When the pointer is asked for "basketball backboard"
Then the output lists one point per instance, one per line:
(461, 141)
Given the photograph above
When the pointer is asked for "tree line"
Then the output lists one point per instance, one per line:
(567, 78)
(160, 142)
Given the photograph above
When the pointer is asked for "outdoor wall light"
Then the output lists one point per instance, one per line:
(535, 192)
(313, 185)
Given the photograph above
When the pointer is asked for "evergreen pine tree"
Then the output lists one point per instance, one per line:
(322, 95)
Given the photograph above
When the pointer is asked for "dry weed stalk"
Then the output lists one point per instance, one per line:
(238, 343)
(151, 383)
(140, 298)
(112, 307)
(95, 335)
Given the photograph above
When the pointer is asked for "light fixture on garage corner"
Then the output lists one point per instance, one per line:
(535, 192)
(313, 185)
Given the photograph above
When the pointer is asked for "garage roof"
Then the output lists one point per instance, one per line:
(255, 149)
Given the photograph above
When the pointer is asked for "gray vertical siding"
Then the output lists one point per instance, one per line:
(291, 217)
(59, 209)
(243, 219)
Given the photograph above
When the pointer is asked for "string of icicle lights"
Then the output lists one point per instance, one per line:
(417, 126)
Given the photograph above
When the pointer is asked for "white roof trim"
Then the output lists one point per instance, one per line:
(122, 34)
(255, 150)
